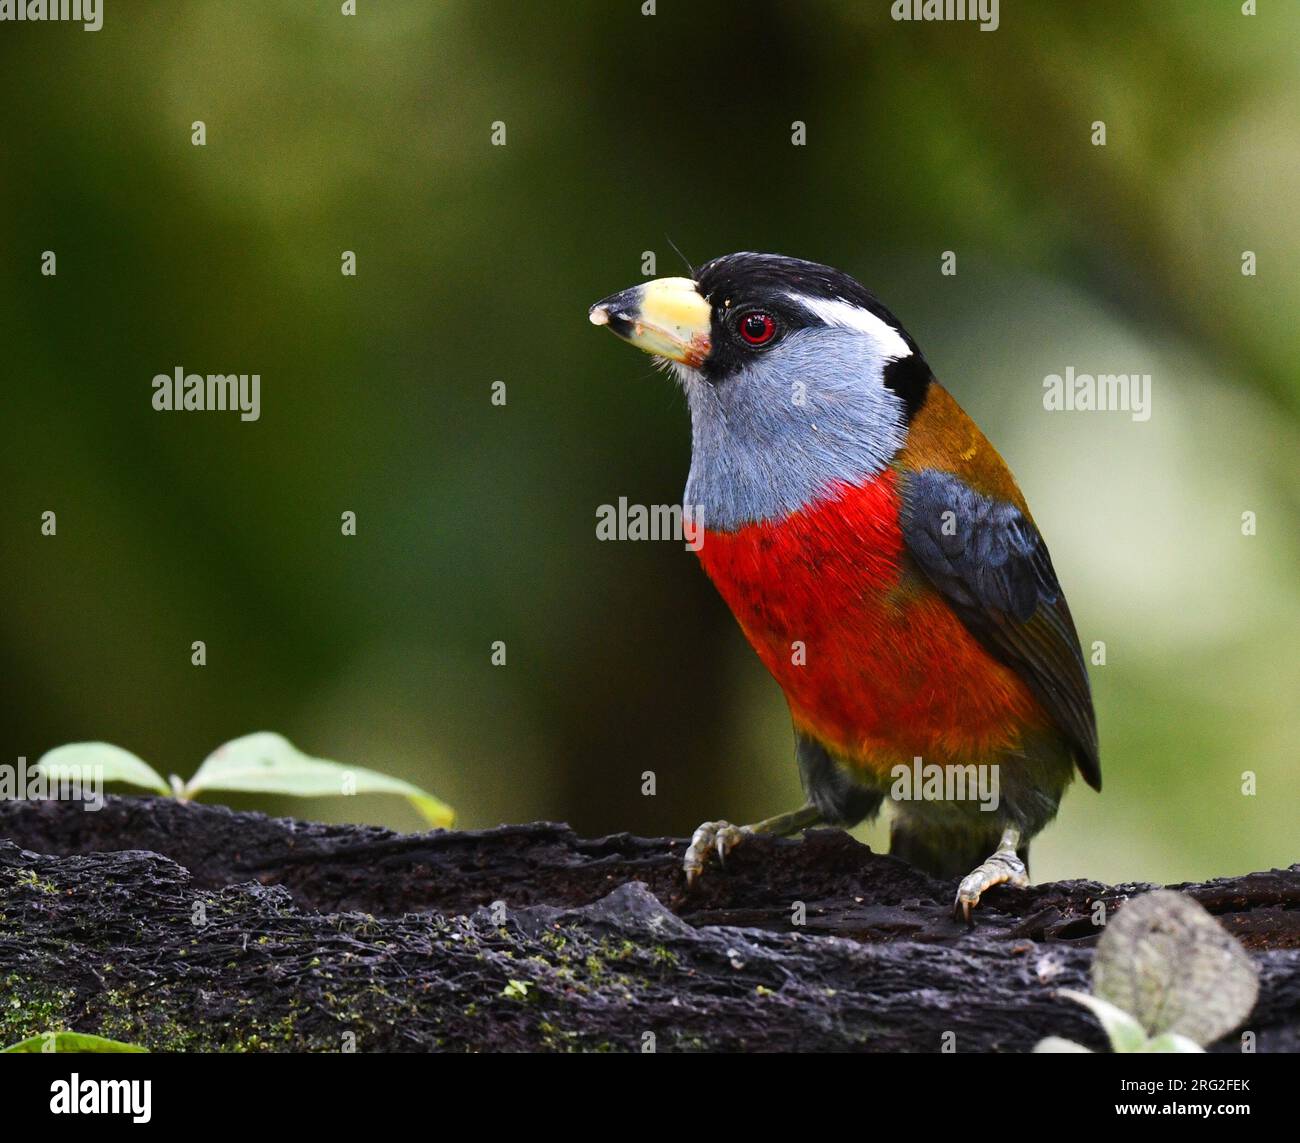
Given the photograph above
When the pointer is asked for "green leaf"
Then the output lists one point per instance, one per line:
(1126, 1034)
(270, 764)
(1172, 1042)
(1175, 968)
(113, 763)
(71, 1042)
(1059, 1044)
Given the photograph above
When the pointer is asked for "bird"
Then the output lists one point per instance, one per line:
(881, 560)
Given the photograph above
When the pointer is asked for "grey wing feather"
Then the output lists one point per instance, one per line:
(994, 569)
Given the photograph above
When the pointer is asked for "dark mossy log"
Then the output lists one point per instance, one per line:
(194, 927)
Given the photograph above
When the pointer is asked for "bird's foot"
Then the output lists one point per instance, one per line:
(1003, 868)
(722, 837)
(711, 837)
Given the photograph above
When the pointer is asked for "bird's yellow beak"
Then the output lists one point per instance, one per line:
(666, 317)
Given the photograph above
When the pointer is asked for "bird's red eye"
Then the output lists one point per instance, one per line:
(757, 328)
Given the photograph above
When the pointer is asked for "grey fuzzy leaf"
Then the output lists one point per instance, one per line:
(1172, 966)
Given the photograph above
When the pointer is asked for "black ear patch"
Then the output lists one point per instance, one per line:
(910, 378)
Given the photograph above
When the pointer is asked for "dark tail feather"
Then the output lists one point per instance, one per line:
(944, 853)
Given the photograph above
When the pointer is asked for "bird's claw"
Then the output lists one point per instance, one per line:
(1003, 868)
(711, 837)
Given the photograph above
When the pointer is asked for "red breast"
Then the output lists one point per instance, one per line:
(871, 659)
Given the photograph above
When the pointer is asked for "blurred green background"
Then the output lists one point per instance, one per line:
(476, 264)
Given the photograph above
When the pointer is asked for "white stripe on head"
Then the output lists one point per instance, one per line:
(838, 312)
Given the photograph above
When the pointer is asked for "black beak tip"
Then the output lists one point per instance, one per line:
(618, 311)
(614, 313)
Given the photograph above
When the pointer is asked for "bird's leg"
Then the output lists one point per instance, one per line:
(722, 837)
(1003, 868)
